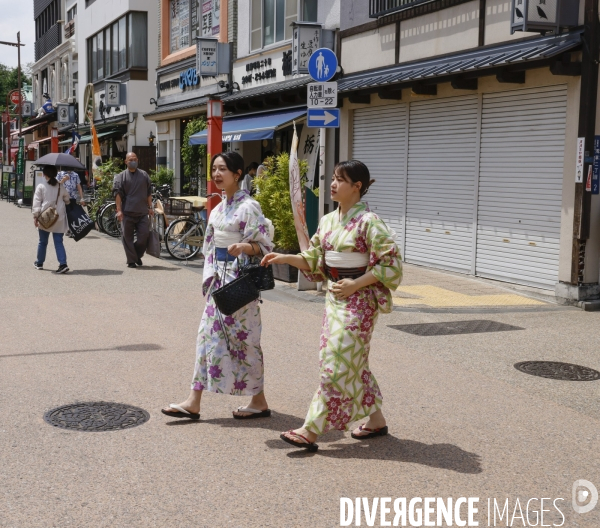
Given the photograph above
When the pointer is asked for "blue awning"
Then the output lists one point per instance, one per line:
(250, 128)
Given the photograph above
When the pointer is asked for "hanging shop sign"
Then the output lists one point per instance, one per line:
(307, 39)
(596, 172)
(65, 114)
(21, 157)
(112, 94)
(212, 57)
(211, 17)
(27, 109)
(544, 15)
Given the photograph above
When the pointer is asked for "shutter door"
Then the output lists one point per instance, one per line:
(520, 185)
(442, 175)
(380, 143)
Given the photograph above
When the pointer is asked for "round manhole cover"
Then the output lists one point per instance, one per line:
(558, 371)
(96, 416)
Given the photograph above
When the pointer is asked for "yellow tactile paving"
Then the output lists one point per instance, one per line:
(436, 297)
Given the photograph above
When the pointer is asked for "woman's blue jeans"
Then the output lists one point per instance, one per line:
(61, 254)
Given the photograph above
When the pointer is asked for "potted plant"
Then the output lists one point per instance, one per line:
(273, 195)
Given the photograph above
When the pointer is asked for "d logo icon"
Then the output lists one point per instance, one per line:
(580, 496)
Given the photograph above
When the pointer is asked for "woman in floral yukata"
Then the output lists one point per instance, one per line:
(229, 358)
(356, 251)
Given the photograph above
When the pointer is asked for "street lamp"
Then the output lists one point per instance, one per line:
(151, 139)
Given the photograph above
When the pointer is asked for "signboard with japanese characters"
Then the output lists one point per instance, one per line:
(211, 18)
(112, 91)
(206, 53)
(596, 173)
(307, 39)
(580, 160)
(544, 15)
(322, 95)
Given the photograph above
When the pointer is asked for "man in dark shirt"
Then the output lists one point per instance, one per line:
(133, 194)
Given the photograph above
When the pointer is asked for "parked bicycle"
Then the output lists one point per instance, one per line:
(184, 237)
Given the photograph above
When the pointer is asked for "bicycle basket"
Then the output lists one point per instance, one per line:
(176, 207)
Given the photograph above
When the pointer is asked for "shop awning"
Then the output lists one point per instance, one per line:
(528, 53)
(252, 127)
(34, 144)
(88, 138)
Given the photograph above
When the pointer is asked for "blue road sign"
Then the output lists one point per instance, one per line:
(323, 117)
(322, 64)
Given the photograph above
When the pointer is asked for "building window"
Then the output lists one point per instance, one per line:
(47, 19)
(309, 10)
(183, 23)
(271, 21)
(72, 13)
(119, 47)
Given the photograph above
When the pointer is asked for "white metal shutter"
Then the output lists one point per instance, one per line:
(442, 175)
(520, 185)
(379, 141)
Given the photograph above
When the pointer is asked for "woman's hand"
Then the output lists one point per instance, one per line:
(273, 258)
(344, 288)
(236, 250)
(35, 222)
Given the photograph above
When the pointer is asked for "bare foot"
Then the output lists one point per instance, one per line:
(376, 421)
(188, 406)
(311, 437)
(258, 403)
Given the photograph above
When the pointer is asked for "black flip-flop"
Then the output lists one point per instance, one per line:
(311, 447)
(180, 412)
(255, 413)
(372, 434)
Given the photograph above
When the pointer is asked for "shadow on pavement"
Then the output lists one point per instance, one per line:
(442, 456)
(96, 272)
(277, 422)
(141, 347)
(157, 268)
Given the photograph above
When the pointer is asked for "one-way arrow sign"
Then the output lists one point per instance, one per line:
(323, 118)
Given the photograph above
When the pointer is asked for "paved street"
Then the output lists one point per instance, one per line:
(463, 421)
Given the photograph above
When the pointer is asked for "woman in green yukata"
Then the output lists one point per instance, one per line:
(356, 251)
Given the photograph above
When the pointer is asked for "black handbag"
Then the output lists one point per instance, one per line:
(233, 296)
(262, 276)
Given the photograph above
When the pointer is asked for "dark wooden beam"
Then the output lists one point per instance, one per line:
(242, 106)
(572, 69)
(397, 44)
(388, 93)
(256, 103)
(358, 98)
(511, 77)
(464, 84)
(424, 89)
(289, 98)
(273, 100)
(481, 23)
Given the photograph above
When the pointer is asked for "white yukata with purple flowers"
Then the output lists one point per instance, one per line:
(237, 370)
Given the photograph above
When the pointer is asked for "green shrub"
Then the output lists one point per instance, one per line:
(273, 195)
(192, 155)
(162, 176)
(107, 172)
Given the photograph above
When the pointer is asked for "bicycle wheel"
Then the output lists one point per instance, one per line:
(99, 216)
(184, 239)
(110, 224)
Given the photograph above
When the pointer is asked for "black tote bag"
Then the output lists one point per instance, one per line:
(80, 224)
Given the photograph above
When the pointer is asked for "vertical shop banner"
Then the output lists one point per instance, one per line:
(296, 196)
(308, 149)
(89, 108)
(21, 157)
(211, 18)
(596, 173)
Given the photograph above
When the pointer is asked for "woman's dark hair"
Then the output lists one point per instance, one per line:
(356, 171)
(252, 166)
(51, 172)
(234, 162)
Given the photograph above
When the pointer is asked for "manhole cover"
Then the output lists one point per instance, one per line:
(455, 327)
(96, 416)
(558, 371)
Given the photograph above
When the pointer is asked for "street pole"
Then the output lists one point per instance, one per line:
(214, 147)
(322, 190)
(20, 108)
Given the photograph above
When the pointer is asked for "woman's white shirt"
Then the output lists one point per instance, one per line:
(44, 197)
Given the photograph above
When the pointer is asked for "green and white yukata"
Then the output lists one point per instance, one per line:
(348, 390)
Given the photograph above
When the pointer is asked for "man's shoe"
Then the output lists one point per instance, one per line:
(131, 265)
(139, 262)
(38, 266)
(63, 268)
